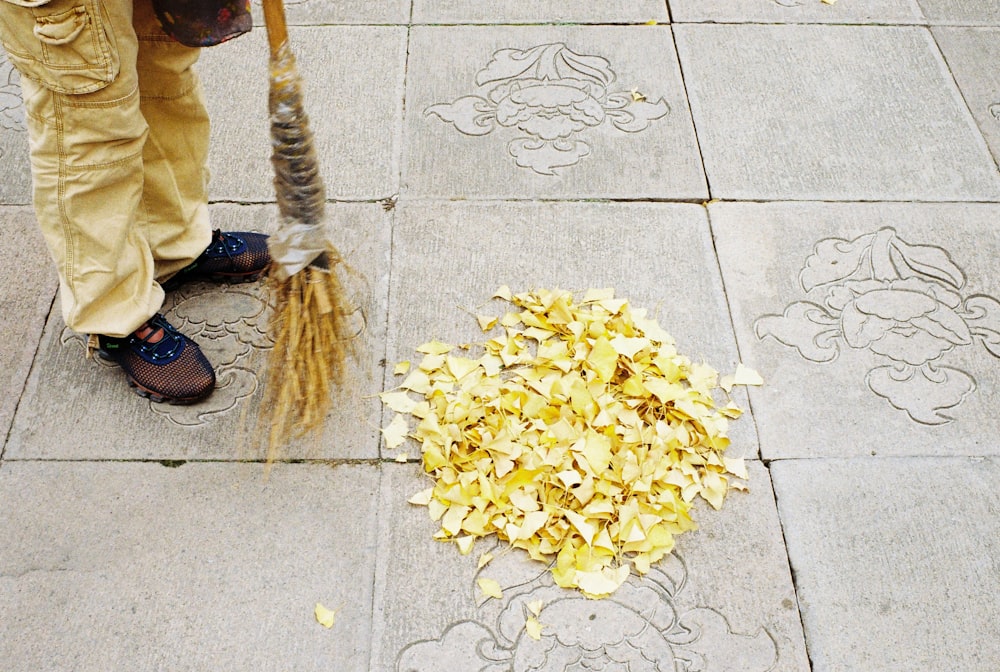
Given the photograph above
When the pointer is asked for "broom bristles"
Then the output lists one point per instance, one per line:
(310, 330)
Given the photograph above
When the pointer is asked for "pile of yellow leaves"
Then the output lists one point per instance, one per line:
(580, 434)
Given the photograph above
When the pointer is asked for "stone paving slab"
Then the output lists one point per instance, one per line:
(539, 11)
(831, 113)
(895, 561)
(353, 87)
(548, 112)
(449, 260)
(875, 326)
(111, 566)
(966, 49)
(15, 171)
(74, 408)
(962, 12)
(319, 12)
(796, 11)
(723, 601)
(27, 287)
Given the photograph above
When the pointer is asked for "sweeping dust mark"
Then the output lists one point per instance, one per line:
(552, 94)
(900, 301)
(535, 625)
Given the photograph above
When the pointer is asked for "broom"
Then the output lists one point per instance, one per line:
(309, 322)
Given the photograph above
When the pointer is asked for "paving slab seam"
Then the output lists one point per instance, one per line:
(13, 415)
(873, 24)
(690, 113)
(373, 577)
(372, 200)
(384, 358)
(732, 321)
(530, 24)
(492, 200)
(791, 567)
(175, 463)
(422, 200)
(965, 98)
(977, 458)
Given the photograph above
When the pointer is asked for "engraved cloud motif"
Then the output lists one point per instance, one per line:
(11, 107)
(551, 94)
(230, 337)
(897, 300)
(638, 629)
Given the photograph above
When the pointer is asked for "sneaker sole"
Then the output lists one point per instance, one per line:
(162, 399)
(152, 395)
(228, 278)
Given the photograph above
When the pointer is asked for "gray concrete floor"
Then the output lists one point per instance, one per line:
(809, 188)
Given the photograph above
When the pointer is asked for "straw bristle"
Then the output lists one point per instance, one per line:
(311, 337)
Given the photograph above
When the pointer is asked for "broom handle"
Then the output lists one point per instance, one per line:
(274, 20)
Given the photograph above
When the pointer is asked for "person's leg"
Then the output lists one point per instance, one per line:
(86, 133)
(86, 136)
(175, 155)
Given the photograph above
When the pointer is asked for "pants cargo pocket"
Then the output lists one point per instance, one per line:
(62, 44)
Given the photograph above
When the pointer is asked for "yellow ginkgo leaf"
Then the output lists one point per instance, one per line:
(579, 434)
(465, 544)
(435, 347)
(401, 369)
(422, 498)
(490, 588)
(486, 322)
(398, 401)
(395, 433)
(533, 628)
(325, 617)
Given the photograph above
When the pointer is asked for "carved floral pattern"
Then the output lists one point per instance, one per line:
(995, 111)
(11, 106)
(638, 629)
(229, 324)
(899, 301)
(551, 94)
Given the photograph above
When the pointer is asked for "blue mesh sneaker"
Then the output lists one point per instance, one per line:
(232, 256)
(162, 364)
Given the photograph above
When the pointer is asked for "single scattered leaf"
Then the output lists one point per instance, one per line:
(422, 498)
(435, 348)
(325, 617)
(402, 458)
(484, 560)
(465, 544)
(399, 401)
(402, 368)
(535, 607)
(395, 433)
(486, 323)
(746, 376)
(490, 588)
(533, 627)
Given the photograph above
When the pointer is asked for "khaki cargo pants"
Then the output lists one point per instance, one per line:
(119, 141)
